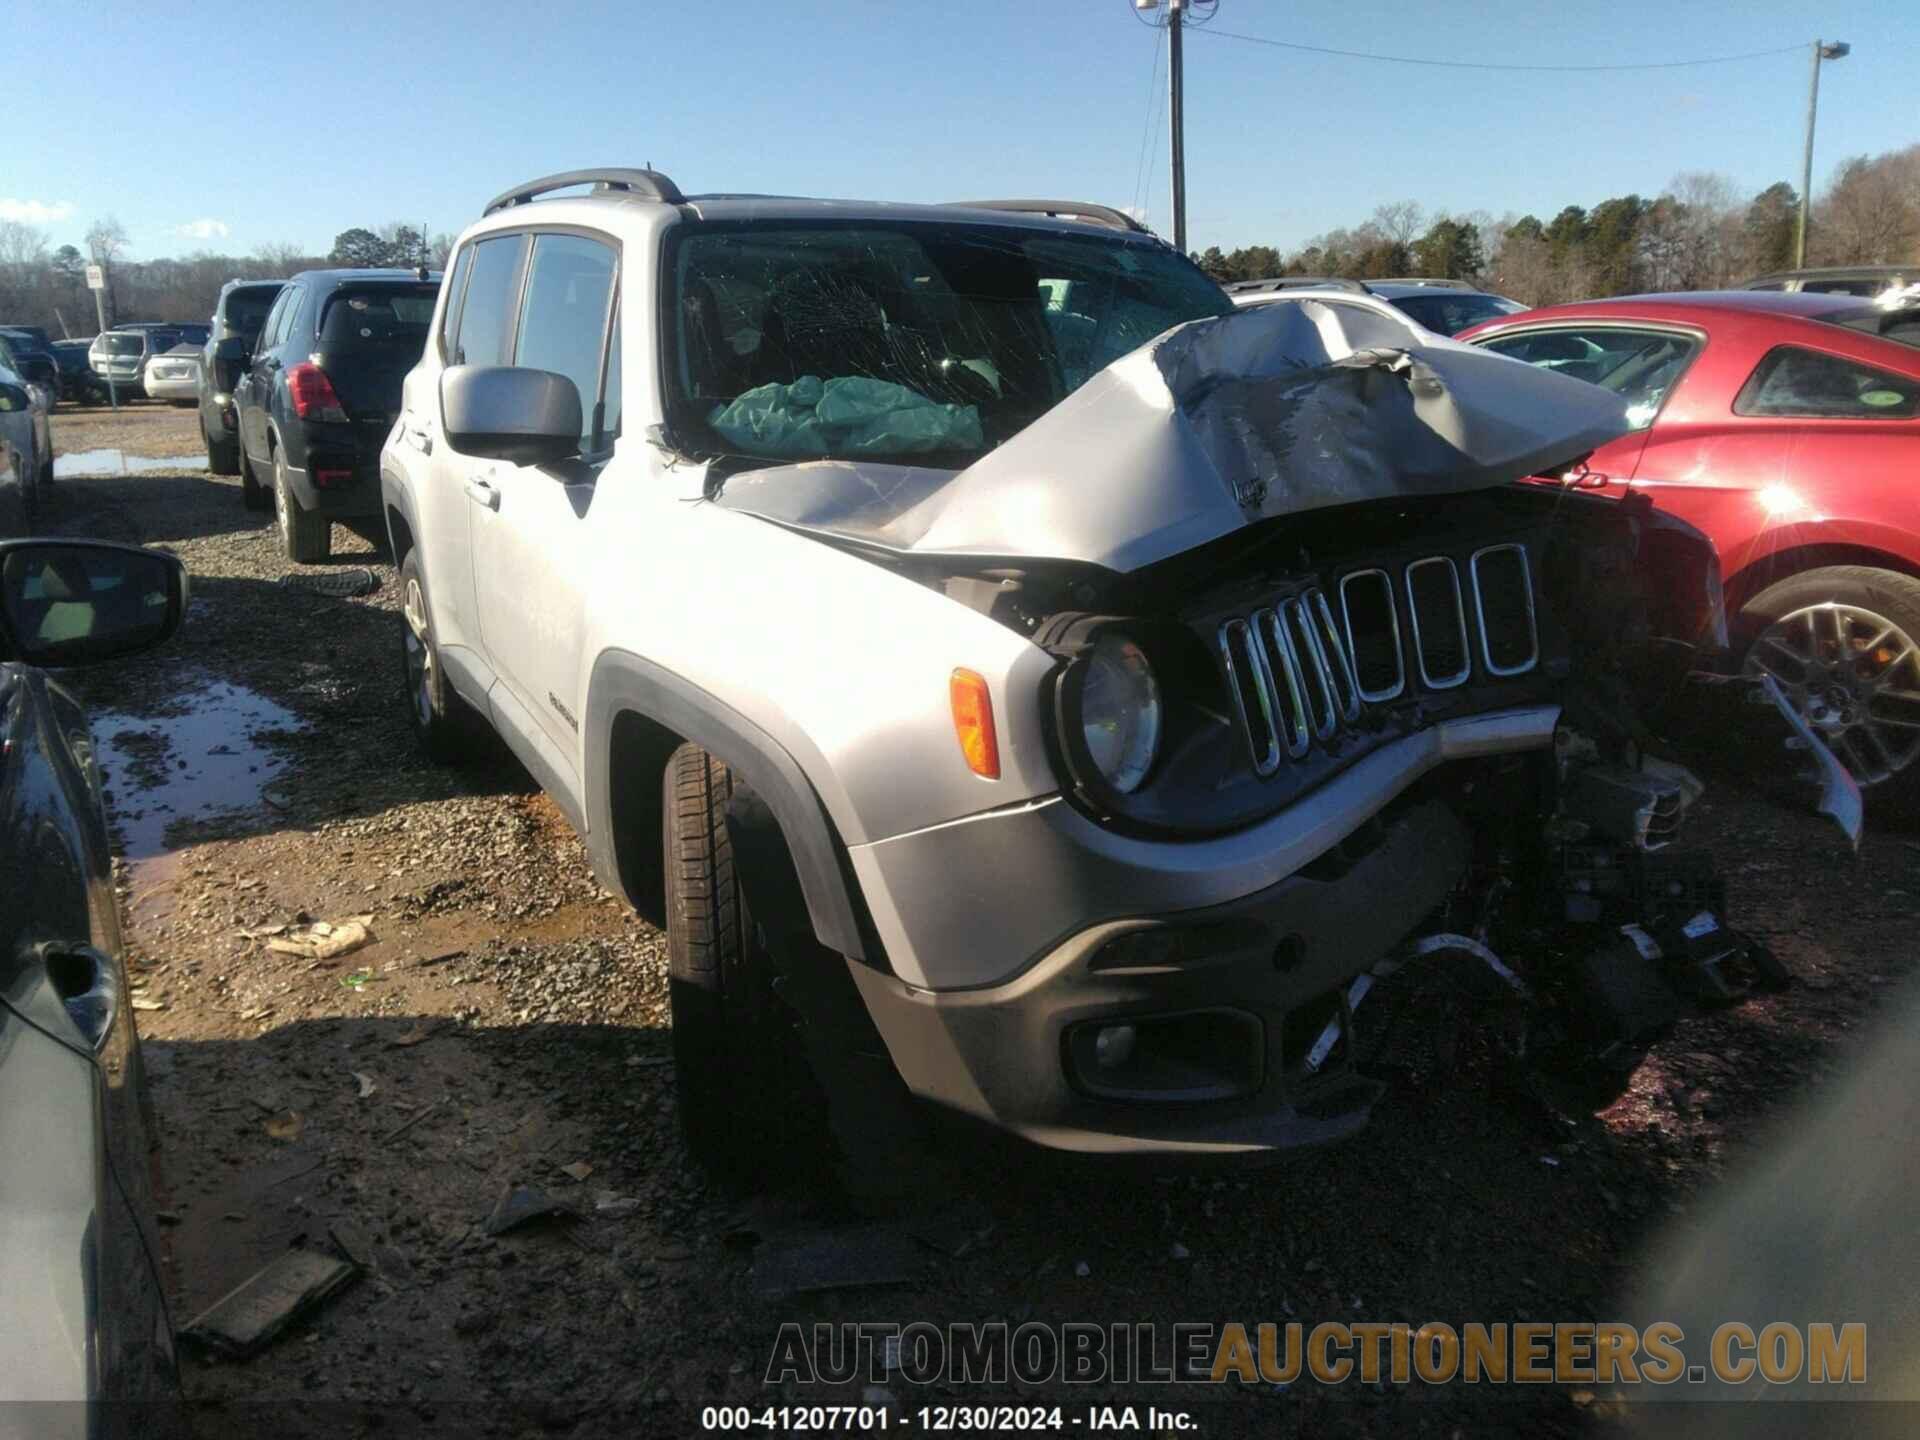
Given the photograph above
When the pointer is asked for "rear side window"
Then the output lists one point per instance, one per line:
(247, 310)
(378, 315)
(486, 316)
(1810, 385)
(563, 321)
(1640, 366)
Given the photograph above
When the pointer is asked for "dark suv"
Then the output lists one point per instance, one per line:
(319, 396)
(237, 317)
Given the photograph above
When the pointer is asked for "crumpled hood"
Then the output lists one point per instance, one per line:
(1217, 424)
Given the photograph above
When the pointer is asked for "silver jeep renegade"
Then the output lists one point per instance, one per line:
(1027, 689)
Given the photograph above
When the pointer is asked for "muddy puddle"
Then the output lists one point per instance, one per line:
(206, 760)
(119, 462)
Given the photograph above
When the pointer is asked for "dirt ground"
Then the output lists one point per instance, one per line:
(145, 426)
(508, 1026)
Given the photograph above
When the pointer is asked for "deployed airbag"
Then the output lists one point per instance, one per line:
(845, 415)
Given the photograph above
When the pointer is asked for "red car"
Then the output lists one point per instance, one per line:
(1787, 428)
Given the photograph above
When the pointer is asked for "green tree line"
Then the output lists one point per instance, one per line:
(1697, 234)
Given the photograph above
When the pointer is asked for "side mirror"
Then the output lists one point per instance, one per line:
(507, 412)
(233, 350)
(71, 602)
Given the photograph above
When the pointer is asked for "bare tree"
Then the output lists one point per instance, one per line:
(281, 258)
(1401, 222)
(1868, 215)
(106, 240)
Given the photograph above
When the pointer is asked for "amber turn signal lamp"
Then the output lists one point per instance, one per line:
(973, 723)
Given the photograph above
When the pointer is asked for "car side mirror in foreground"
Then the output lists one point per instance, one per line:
(71, 602)
(509, 412)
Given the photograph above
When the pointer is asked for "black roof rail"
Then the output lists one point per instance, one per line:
(1292, 282)
(1062, 210)
(647, 184)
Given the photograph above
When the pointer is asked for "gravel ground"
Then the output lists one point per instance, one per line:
(508, 1026)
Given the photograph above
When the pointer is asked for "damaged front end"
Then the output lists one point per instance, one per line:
(1335, 701)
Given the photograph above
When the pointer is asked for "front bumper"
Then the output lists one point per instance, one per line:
(1235, 994)
(972, 903)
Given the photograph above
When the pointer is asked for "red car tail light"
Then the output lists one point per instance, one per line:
(312, 393)
(328, 479)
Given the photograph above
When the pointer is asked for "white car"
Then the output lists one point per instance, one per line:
(26, 447)
(174, 375)
(1023, 686)
(117, 356)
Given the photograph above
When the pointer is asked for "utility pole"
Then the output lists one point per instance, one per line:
(1835, 50)
(1177, 124)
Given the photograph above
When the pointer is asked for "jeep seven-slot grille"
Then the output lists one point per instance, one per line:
(1297, 671)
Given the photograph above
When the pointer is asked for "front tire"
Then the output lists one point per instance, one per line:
(308, 537)
(1843, 643)
(444, 724)
(727, 1021)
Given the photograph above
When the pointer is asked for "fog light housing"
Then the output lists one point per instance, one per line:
(1180, 1059)
(1113, 1045)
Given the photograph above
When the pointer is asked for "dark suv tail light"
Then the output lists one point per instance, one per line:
(312, 393)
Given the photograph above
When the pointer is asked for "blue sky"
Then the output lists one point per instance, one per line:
(342, 114)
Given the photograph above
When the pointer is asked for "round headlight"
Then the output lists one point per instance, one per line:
(1120, 712)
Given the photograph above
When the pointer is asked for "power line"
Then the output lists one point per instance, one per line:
(1493, 65)
(1148, 125)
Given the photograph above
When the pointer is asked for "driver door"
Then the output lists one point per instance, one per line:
(531, 531)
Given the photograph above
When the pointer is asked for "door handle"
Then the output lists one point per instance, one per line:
(87, 984)
(483, 493)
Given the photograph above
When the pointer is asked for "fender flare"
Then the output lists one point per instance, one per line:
(623, 681)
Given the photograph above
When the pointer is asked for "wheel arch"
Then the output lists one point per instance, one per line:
(1788, 561)
(637, 714)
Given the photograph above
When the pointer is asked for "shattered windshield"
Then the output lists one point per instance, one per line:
(914, 341)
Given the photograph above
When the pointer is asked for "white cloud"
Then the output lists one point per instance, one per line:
(34, 212)
(203, 230)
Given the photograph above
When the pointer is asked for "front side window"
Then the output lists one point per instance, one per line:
(486, 316)
(1640, 366)
(563, 319)
(907, 341)
(1811, 385)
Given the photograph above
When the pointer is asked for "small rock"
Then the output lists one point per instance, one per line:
(1082, 1269)
(1179, 1251)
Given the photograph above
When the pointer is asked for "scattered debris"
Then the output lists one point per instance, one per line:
(1082, 1269)
(837, 1260)
(579, 1170)
(1180, 1252)
(418, 1031)
(356, 980)
(285, 1126)
(141, 1002)
(519, 1204)
(649, 1060)
(253, 1314)
(409, 1123)
(615, 1206)
(340, 584)
(367, 1085)
(323, 940)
